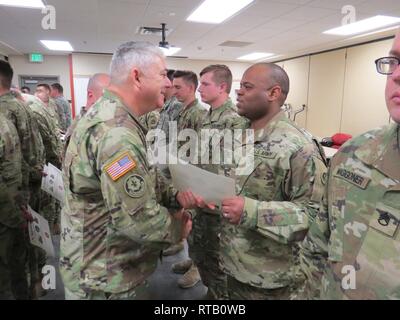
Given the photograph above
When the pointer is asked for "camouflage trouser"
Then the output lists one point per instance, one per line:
(48, 208)
(204, 249)
(176, 231)
(6, 238)
(140, 292)
(241, 291)
(19, 264)
(35, 195)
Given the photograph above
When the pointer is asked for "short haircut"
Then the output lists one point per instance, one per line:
(97, 81)
(221, 73)
(58, 87)
(45, 85)
(187, 76)
(6, 74)
(170, 74)
(133, 53)
(278, 76)
(26, 88)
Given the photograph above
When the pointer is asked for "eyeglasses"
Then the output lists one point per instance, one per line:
(387, 65)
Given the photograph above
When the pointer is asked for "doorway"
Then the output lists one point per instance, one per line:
(32, 81)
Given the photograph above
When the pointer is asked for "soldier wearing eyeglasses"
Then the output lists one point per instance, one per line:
(352, 250)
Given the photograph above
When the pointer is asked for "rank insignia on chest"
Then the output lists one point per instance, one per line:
(119, 167)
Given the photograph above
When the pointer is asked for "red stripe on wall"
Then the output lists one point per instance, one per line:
(71, 82)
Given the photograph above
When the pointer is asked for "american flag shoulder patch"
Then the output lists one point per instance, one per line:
(120, 166)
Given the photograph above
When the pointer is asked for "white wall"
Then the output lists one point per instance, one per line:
(346, 94)
(52, 66)
(85, 65)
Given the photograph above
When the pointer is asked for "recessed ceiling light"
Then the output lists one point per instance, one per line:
(57, 45)
(255, 56)
(363, 25)
(170, 51)
(216, 11)
(38, 4)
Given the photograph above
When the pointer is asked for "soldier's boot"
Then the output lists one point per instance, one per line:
(182, 267)
(190, 278)
(173, 249)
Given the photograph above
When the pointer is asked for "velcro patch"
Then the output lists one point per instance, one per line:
(265, 154)
(120, 166)
(135, 186)
(352, 177)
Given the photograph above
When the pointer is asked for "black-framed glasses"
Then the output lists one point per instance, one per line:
(387, 65)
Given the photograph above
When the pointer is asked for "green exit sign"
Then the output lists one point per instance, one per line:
(35, 57)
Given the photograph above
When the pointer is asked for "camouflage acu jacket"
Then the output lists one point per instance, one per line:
(31, 142)
(150, 120)
(10, 174)
(113, 228)
(352, 250)
(281, 192)
(47, 128)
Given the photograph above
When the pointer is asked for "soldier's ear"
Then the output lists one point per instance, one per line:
(135, 75)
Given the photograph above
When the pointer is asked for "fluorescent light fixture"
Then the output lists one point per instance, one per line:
(38, 4)
(57, 45)
(363, 25)
(255, 56)
(217, 11)
(170, 51)
(374, 32)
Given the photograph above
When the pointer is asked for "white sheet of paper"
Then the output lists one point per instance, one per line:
(52, 183)
(329, 152)
(211, 187)
(39, 233)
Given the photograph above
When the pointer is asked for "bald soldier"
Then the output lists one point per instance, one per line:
(352, 250)
(264, 222)
(113, 228)
(94, 91)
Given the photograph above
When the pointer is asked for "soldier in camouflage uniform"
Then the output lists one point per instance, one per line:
(42, 202)
(43, 93)
(63, 107)
(168, 115)
(185, 84)
(192, 113)
(171, 108)
(113, 228)
(32, 164)
(10, 214)
(97, 83)
(204, 242)
(45, 205)
(270, 214)
(352, 250)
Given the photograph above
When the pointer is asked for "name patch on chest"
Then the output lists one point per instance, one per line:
(352, 177)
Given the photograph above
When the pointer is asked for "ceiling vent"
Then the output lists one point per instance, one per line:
(235, 44)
